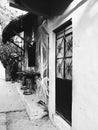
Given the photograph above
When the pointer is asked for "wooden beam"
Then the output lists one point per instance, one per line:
(11, 40)
(22, 38)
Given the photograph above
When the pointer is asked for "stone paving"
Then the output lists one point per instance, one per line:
(9, 97)
(19, 121)
(13, 115)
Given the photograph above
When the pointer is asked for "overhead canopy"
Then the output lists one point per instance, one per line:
(42, 7)
(18, 25)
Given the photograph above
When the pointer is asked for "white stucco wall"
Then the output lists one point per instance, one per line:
(84, 14)
(2, 71)
(85, 67)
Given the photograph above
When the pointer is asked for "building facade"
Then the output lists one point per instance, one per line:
(66, 53)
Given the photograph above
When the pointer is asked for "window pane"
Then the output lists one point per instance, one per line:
(60, 68)
(60, 48)
(68, 68)
(68, 46)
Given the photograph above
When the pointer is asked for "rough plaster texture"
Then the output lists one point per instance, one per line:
(85, 64)
(85, 50)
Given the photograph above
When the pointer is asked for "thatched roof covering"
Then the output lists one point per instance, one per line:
(21, 23)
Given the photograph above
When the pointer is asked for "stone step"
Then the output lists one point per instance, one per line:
(3, 121)
(34, 110)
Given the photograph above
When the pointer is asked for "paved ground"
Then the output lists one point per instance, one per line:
(19, 121)
(13, 115)
(9, 97)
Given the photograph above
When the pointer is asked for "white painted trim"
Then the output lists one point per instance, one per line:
(56, 119)
(60, 123)
(52, 73)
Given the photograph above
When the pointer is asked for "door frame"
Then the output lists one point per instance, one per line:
(54, 117)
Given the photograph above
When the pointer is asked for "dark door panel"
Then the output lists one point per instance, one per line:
(64, 71)
(64, 97)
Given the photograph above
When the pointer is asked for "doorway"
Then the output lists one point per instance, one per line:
(64, 71)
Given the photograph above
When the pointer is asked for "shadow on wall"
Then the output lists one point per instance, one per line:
(2, 71)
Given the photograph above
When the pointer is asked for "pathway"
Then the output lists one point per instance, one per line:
(13, 114)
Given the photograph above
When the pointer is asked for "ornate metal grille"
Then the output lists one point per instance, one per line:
(64, 41)
(64, 53)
